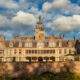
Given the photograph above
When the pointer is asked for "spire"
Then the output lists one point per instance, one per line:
(60, 36)
(40, 21)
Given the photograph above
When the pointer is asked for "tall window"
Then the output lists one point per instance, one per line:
(53, 51)
(20, 44)
(52, 44)
(19, 58)
(15, 51)
(10, 51)
(20, 51)
(28, 44)
(65, 51)
(69, 51)
(60, 51)
(60, 44)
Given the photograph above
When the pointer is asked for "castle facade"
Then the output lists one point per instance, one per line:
(38, 48)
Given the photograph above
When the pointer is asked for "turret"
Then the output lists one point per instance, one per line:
(39, 30)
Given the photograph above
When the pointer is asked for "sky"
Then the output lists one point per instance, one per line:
(58, 16)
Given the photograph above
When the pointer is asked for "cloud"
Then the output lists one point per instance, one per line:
(61, 6)
(56, 4)
(3, 21)
(65, 24)
(8, 4)
(24, 18)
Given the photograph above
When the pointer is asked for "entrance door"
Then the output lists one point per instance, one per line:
(14, 59)
(40, 59)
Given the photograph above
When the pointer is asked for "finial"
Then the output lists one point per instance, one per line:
(60, 36)
(63, 36)
(40, 21)
(4, 38)
(40, 17)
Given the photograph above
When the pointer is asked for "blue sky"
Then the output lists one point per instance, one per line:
(58, 16)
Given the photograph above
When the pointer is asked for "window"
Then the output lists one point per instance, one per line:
(61, 59)
(44, 51)
(10, 51)
(20, 44)
(60, 44)
(28, 44)
(69, 51)
(20, 51)
(53, 51)
(19, 58)
(36, 51)
(11, 45)
(52, 44)
(27, 51)
(15, 51)
(60, 51)
(65, 51)
(40, 44)
(32, 51)
(47, 51)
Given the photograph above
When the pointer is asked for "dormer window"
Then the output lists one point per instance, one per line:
(60, 44)
(52, 44)
(10, 44)
(28, 44)
(40, 44)
(20, 44)
(70, 44)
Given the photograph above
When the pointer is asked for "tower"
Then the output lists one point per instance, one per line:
(39, 30)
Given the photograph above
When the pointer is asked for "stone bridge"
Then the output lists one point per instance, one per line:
(21, 69)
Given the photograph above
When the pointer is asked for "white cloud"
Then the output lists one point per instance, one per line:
(3, 21)
(8, 4)
(24, 18)
(56, 4)
(61, 6)
(65, 24)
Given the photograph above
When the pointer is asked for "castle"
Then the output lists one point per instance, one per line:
(38, 48)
